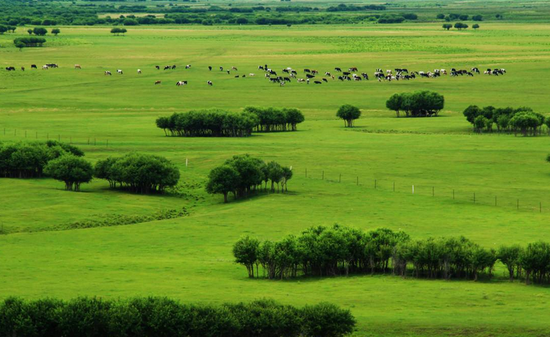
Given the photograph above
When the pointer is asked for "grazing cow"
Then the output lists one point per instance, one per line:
(209, 83)
(228, 72)
(475, 70)
(327, 73)
(139, 71)
(167, 67)
(251, 74)
(209, 68)
(243, 76)
(174, 66)
(338, 69)
(22, 68)
(10, 68)
(77, 66)
(186, 67)
(158, 67)
(237, 76)
(33, 66)
(300, 80)
(353, 69)
(286, 71)
(310, 76)
(282, 83)
(294, 72)
(307, 71)
(286, 79)
(314, 72)
(365, 76)
(45, 67)
(221, 68)
(107, 72)
(325, 80)
(181, 83)
(317, 82)
(261, 68)
(234, 68)
(346, 73)
(52, 65)
(307, 81)
(119, 71)
(158, 82)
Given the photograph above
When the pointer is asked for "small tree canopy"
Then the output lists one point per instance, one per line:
(224, 180)
(40, 31)
(348, 113)
(56, 31)
(70, 169)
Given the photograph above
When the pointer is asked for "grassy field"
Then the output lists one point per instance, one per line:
(190, 258)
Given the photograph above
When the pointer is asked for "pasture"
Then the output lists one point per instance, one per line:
(190, 258)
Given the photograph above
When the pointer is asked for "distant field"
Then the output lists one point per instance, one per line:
(190, 258)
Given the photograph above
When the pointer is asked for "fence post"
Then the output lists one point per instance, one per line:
(412, 189)
(374, 183)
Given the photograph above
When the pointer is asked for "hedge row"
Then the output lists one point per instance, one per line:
(163, 317)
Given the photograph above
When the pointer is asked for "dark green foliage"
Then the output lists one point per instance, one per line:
(243, 175)
(477, 18)
(272, 119)
(391, 18)
(508, 120)
(3, 29)
(338, 250)
(56, 31)
(138, 173)
(40, 31)
(447, 26)
(440, 16)
(163, 317)
(460, 26)
(209, 123)
(27, 160)
(117, 31)
(475, 26)
(71, 170)
(348, 113)
(22, 42)
(417, 104)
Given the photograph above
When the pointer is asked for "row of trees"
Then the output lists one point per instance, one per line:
(338, 250)
(209, 123)
(507, 120)
(462, 17)
(160, 316)
(28, 160)
(243, 175)
(138, 173)
(273, 119)
(417, 104)
(41, 31)
(23, 42)
(459, 26)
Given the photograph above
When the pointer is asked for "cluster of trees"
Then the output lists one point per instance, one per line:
(507, 120)
(28, 160)
(348, 113)
(459, 26)
(417, 104)
(23, 42)
(41, 31)
(7, 28)
(354, 8)
(117, 31)
(462, 17)
(338, 250)
(273, 119)
(138, 173)
(160, 316)
(209, 123)
(243, 175)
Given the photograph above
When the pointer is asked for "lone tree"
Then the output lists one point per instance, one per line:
(3, 29)
(56, 31)
(348, 113)
(447, 26)
(224, 179)
(30, 31)
(40, 31)
(475, 26)
(70, 169)
(460, 26)
(117, 31)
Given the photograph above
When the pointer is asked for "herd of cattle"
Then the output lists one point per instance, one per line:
(289, 74)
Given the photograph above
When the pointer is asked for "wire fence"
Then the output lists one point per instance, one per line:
(18, 134)
(465, 194)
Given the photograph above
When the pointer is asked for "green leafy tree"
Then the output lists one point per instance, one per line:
(394, 103)
(3, 29)
(224, 180)
(275, 174)
(447, 26)
(475, 26)
(30, 31)
(348, 113)
(510, 257)
(245, 252)
(40, 31)
(56, 31)
(72, 170)
(477, 18)
(440, 16)
(460, 26)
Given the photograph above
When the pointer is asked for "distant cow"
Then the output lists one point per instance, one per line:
(338, 69)
(318, 82)
(209, 83)
(10, 68)
(158, 67)
(139, 71)
(33, 66)
(210, 68)
(181, 83)
(234, 68)
(77, 66)
(186, 67)
(22, 68)
(158, 82)
(119, 71)
(353, 69)
(107, 72)
(310, 76)
(45, 67)
(251, 74)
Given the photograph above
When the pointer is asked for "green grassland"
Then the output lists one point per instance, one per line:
(190, 258)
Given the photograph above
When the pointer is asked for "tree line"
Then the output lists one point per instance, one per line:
(28, 160)
(161, 316)
(273, 119)
(507, 120)
(23, 42)
(244, 175)
(221, 123)
(338, 250)
(417, 104)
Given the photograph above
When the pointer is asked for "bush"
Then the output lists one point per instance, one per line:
(508, 120)
(40, 31)
(348, 113)
(71, 170)
(417, 104)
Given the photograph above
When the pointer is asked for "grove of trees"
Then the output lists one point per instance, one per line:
(28, 160)
(338, 250)
(117, 31)
(507, 120)
(348, 113)
(221, 123)
(22, 42)
(417, 104)
(138, 173)
(161, 316)
(243, 175)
